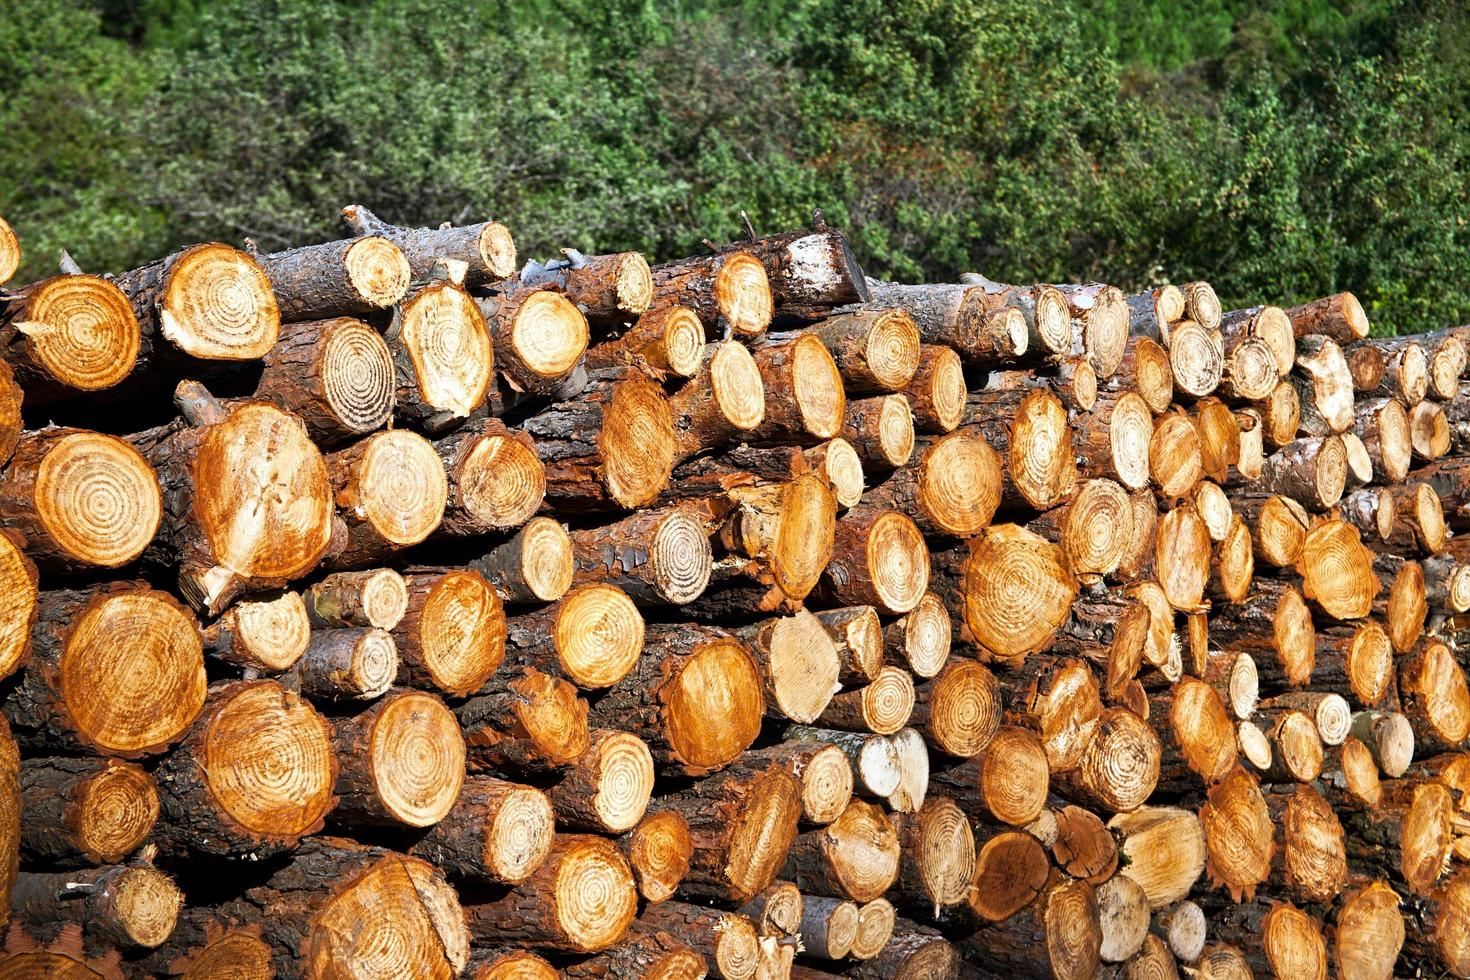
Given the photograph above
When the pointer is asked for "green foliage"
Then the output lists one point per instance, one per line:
(1281, 150)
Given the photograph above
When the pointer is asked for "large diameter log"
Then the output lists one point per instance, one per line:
(1012, 588)
(656, 556)
(1194, 359)
(937, 846)
(1163, 849)
(1450, 912)
(1325, 387)
(1115, 440)
(80, 499)
(695, 696)
(252, 778)
(1119, 769)
(343, 278)
(665, 343)
(959, 711)
(730, 291)
(132, 906)
(1201, 729)
(85, 811)
(1006, 782)
(607, 289)
(443, 359)
(119, 671)
(496, 831)
(529, 721)
(486, 249)
(592, 637)
(659, 850)
(1094, 530)
(959, 316)
(536, 565)
(612, 447)
(452, 635)
(341, 908)
(376, 598)
(1313, 858)
(390, 490)
(876, 350)
(69, 334)
(1058, 935)
(742, 822)
(1278, 526)
(1239, 835)
(495, 479)
(1368, 933)
(402, 761)
(209, 302)
(1011, 870)
(1337, 571)
(879, 558)
(539, 336)
(226, 463)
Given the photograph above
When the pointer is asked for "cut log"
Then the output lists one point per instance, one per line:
(1200, 730)
(1383, 425)
(1324, 387)
(228, 462)
(1182, 558)
(495, 480)
(67, 335)
(503, 963)
(83, 811)
(355, 664)
(665, 343)
(536, 565)
(539, 337)
(1006, 782)
(1339, 316)
(486, 249)
(134, 906)
(343, 278)
(958, 316)
(880, 430)
(858, 636)
(1274, 626)
(876, 350)
(1239, 835)
(658, 850)
(874, 760)
(826, 776)
(1041, 470)
(1278, 526)
(1370, 510)
(878, 558)
(1184, 930)
(1010, 872)
(1252, 457)
(921, 638)
(1146, 370)
(855, 857)
(882, 707)
(1174, 458)
(1195, 361)
(1123, 916)
(656, 556)
(799, 665)
(80, 499)
(1313, 859)
(1406, 608)
(1084, 846)
(1119, 769)
(1219, 438)
(937, 391)
(442, 355)
(1064, 706)
(959, 711)
(205, 943)
(119, 671)
(1296, 748)
(496, 831)
(592, 637)
(725, 399)
(1094, 530)
(377, 597)
(952, 486)
(608, 788)
(268, 636)
(402, 761)
(1058, 935)
(727, 942)
(1406, 372)
(1269, 323)
(1281, 414)
(1418, 525)
(804, 399)
(1162, 849)
(1311, 471)
(1368, 933)
(1429, 431)
(1044, 309)
(530, 721)
(607, 289)
(1435, 699)
(1337, 571)
(937, 850)
(452, 636)
(9, 252)
(1250, 371)
(828, 927)
(390, 490)
(11, 423)
(730, 291)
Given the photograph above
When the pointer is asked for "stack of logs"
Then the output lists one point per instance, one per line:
(739, 617)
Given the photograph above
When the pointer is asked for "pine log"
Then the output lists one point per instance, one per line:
(1339, 316)
(1311, 471)
(205, 943)
(799, 665)
(1146, 370)
(1435, 699)
(496, 831)
(1041, 471)
(1058, 935)
(665, 344)
(359, 663)
(1182, 558)
(486, 249)
(1011, 870)
(648, 956)
(1270, 324)
(1151, 312)
(1370, 510)
(402, 761)
(1337, 571)
(804, 398)
(1429, 432)
(656, 556)
(1281, 413)
(1120, 767)
(1368, 931)
(1278, 526)
(730, 291)
(858, 636)
(1175, 463)
(659, 850)
(390, 489)
(1313, 861)
(1418, 525)
(133, 906)
(952, 485)
(722, 402)
(607, 289)
(524, 719)
(452, 636)
(825, 773)
(876, 350)
(1162, 849)
(535, 565)
(67, 335)
(1006, 782)
(443, 358)
(937, 392)
(727, 942)
(84, 811)
(882, 706)
(828, 927)
(855, 857)
(539, 336)
(11, 423)
(1239, 835)
(509, 963)
(1063, 706)
(377, 597)
(342, 278)
(881, 430)
(1406, 608)
(1324, 387)
(608, 788)
(959, 711)
(1195, 360)
(268, 635)
(1406, 371)
(1044, 308)
(9, 251)
(1084, 846)
(495, 480)
(1383, 425)
(958, 316)
(873, 759)
(937, 848)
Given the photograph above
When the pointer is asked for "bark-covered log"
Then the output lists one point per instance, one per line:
(656, 556)
(133, 906)
(880, 430)
(1339, 316)
(486, 249)
(359, 663)
(647, 956)
(1058, 935)
(1006, 782)
(664, 343)
(497, 831)
(524, 720)
(390, 489)
(377, 597)
(1383, 426)
(799, 665)
(724, 400)
(1161, 848)
(269, 635)
(342, 278)
(607, 289)
(452, 636)
(810, 271)
(825, 773)
(495, 479)
(592, 637)
(952, 485)
(876, 350)
(84, 811)
(958, 316)
(879, 558)
(607, 789)
(205, 943)
(540, 338)
(959, 711)
(659, 850)
(402, 761)
(1368, 931)
(730, 291)
(727, 942)
(68, 335)
(1324, 387)
(443, 357)
(535, 565)
(937, 392)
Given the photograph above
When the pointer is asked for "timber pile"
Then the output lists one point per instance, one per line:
(737, 616)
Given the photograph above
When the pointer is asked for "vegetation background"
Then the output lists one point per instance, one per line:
(1282, 149)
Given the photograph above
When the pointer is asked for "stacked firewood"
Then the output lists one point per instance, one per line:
(738, 616)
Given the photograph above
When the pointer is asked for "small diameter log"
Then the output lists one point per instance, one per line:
(1252, 459)
(443, 358)
(882, 707)
(1182, 558)
(958, 316)
(1094, 530)
(1370, 510)
(742, 822)
(1151, 312)
(118, 671)
(1450, 913)
(269, 636)
(1119, 769)
(1044, 308)
(1201, 730)
(1123, 915)
(959, 711)
(1311, 471)
(1418, 525)
(1406, 607)
(536, 565)
(804, 398)
(486, 249)
(1337, 571)
(879, 558)
(650, 956)
(1175, 463)
(1162, 849)
(208, 302)
(214, 473)
(1435, 699)
(913, 766)
(858, 635)
(496, 831)
(341, 908)
(530, 721)
(874, 760)
(1429, 432)
(1410, 833)
(725, 399)
(1146, 370)
(1115, 440)
(1194, 359)
(1331, 716)
(914, 952)
(1058, 935)
(1219, 438)
(1406, 371)
(937, 392)
(611, 447)
(539, 338)
(1339, 316)
(799, 665)
(659, 557)
(920, 638)
(875, 350)
(825, 773)
(608, 289)
(727, 942)
(377, 597)
(84, 811)
(1250, 370)
(952, 485)
(608, 788)
(1012, 588)
(1324, 387)
(1006, 782)
(729, 291)
(1275, 627)
(134, 906)
(495, 480)
(252, 778)
(938, 854)
(1239, 835)
(881, 430)
(452, 636)
(390, 490)
(1099, 324)
(1278, 526)
(344, 278)
(1270, 324)
(855, 857)
(665, 343)
(1183, 929)
(810, 271)
(592, 637)
(828, 927)
(1447, 361)
(67, 335)
(659, 850)
(1041, 470)
(1389, 738)
(1280, 413)
(358, 664)
(1296, 748)
(11, 423)
(402, 761)
(1383, 425)
(80, 499)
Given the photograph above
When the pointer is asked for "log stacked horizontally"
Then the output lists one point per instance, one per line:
(380, 609)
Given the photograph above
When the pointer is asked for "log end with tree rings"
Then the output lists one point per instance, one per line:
(545, 339)
(898, 563)
(399, 487)
(1161, 848)
(145, 905)
(1407, 607)
(960, 479)
(398, 918)
(742, 292)
(1240, 838)
(272, 633)
(1053, 319)
(1294, 637)
(1182, 558)
(623, 782)
(1065, 709)
(1105, 333)
(1203, 729)
(1018, 591)
(681, 559)
(1452, 924)
(460, 635)
(289, 501)
(1370, 932)
(357, 376)
(114, 812)
(1281, 412)
(1213, 506)
(547, 559)
(1235, 562)
(97, 499)
(142, 648)
(817, 388)
(633, 283)
(1250, 371)
(1082, 845)
(521, 964)
(1446, 365)
(598, 635)
(1334, 719)
(888, 701)
(500, 483)
(1123, 918)
(1314, 859)
(713, 706)
(1370, 663)
(801, 666)
(359, 664)
(238, 953)
(679, 345)
(659, 849)
(1429, 431)
(376, 597)
(1040, 459)
(416, 755)
(636, 442)
(1272, 325)
(1422, 508)
(449, 349)
(266, 758)
(497, 250)
(841, 468)
(890, 350)
(922, 637)
(1077, 383)
(945, 852)
(80, 330)
(1010, 873)
(1120, 768)
(895, 431)
(946, 389)
(218, 305)
(377, 271)
(826, 785)
(1153, 377)
(9, 252)
(1337, 571)
(1196, 362)
(735, 380)
(1202, 305)
(1098, 528)
(1433, 690)
(1014, 776)
(862, 852)
(510, 829)
(1254, 745)
(1130, 440)
(1280, 531)
(1174, 459)
(1426, 837)
(1299, 754)
(1005, 334)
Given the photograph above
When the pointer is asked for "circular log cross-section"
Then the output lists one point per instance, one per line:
(656, 556)
(539, 337)
(876, 350)
(937, 391)
(377, 597)
(1370, 932)
(1016, 591)
(453, 635)
(1202, 729)
(1337, 571)
(961, 708)
(132, 906)
(1239, 835)
(1196, 362)
(394, 484)
(79, 332)
(270, 635)
(497, 481)
(608, 788)
(959, 484)
(81, 499)
(879, 558)
(336, 374)
(496, 830)
(804, 397)
(1120, 767)
(211, 302)
(636, 443)
(537, 565)
(1010, 872)
(921, 638)
(1040, 461)
(95, 810)
(359, 663)
(403, 761)
(1013, 776)
(596, 635)
(855, 857)
(1174, 459)
(742, 294)
(447, 345)
(659, 849)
